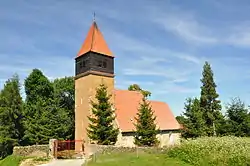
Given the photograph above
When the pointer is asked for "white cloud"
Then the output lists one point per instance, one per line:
(188, 29)
(240, 35)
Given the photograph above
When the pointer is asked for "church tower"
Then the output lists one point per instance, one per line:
(94, 65)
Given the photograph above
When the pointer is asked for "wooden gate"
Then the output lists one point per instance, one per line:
(66, 149)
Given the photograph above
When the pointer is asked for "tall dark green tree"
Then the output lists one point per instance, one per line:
(192, 120)
(101, 127)
(43, 119)
(238, 123)
(209, 102)
(64, 91)
(146, 131)
(11, 114)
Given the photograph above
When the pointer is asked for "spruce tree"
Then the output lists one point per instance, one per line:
(146, 131)
(209, 102)
(237, 114)
(11, 114)
(193, 121)
(101, 127)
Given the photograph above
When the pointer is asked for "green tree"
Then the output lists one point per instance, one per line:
(43, 119)
(209, 102)
(64, 93)
(146, 131)
(192, 120)
(11, 114)
(136, 87)
(101, 127)
(237, 118)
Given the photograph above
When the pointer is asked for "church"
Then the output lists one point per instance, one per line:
(94, 64)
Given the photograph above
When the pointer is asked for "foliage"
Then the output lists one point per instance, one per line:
(11, 161)
(192, 120)
(64, 94)
(129, 158)
(238, 123)
(37, 87)
(43, 119)
(135, 87)
(209, 102)
(11, 126)
(101, 128)
(145, 134)
(217, 151)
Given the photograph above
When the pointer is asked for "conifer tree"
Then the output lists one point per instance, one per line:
(237, 123)
(193, 121)
(209, 102)
(146, 131)
(101, 127)
(11, 114)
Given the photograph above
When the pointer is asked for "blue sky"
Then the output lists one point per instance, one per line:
(160, 45)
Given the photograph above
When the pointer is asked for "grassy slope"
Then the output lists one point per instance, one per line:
(11, 161)
(144, 159)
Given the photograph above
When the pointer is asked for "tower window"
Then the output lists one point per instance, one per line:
(82, 64)
(102, 63)
(99, 63)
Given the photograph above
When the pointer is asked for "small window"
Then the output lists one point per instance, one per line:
(86, 62)
(82, 64)
(104, 64)
(99, 64)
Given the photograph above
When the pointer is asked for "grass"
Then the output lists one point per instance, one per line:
(214, 151)
(16, 160)
(131, 159)
(206, 151)
(11, 161)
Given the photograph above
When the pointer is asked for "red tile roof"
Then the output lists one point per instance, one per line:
(127, 103)
(95, 42)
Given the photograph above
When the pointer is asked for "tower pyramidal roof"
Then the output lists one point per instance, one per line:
(95, 42)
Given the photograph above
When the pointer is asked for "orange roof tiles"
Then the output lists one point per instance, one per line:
(95, 42)
(127, 103)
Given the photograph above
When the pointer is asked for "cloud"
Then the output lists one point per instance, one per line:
(187, 29)
(240, 35)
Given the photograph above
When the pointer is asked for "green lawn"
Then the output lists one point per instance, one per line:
(131, 159)
(11, 161)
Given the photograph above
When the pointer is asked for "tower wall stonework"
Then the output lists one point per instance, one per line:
(85, 90)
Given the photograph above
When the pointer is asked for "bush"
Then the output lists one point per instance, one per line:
(214, 151)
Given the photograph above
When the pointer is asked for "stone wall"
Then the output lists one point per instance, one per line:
(33, 151)
(101, 149)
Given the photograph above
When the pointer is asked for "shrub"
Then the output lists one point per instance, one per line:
(214, 151)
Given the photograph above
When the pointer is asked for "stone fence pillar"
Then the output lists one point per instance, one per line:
(52, 149)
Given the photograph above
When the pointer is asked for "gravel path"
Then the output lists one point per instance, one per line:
(72, 162)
